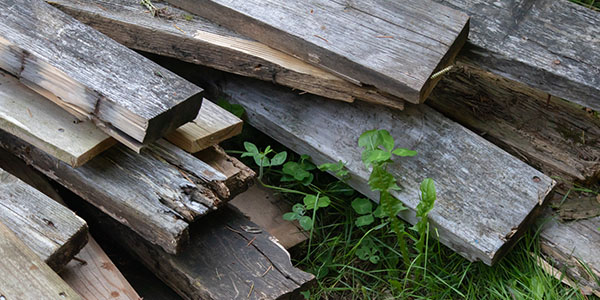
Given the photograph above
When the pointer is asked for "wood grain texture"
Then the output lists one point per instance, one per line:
(553, 46)
(92, 76)
(50, 230)
(555, 136)
(24, 275)
(197, 40)
(352, 38)
(45, 125)
(221, 262)
(212, 126)
(473, 177)
(156, 193)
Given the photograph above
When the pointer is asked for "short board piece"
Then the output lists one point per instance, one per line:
(472, 176)
(550, 45)
(45, 125)
(157, 193)
(229, 258)
(91, 76)
(50, 230)
(395, 46)
(178, 34)
(212, 126)
(24, 275)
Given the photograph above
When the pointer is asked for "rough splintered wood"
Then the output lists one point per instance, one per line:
(194, 39)
(24, 275)
(92, 76)
(550, 45)
(43, 124)
(472, 176)
(394, 46)
(212, 126)
(51, 230)
(229, 258)
(156, 193)
(557, 137)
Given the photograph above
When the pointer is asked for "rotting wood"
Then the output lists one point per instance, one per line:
(24, 275)
(557, 137)
(553, 46)
(156, 193)
(229, 258)
(239, 176)
(43, 124)
(49, 229)
(345, 36)
(473, 177)
(212, 126)
(196, 40)
(91, 76)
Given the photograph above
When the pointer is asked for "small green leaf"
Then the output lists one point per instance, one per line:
(235, 109)
(305, 294)
(309, 201)
(404, 152)
(363, 253)
(428, 196)
(381, 180)
(364, 220)
(374, 259)
(299, 209)
(378, 213)
(369, 140)
(294, 169)
(375, 156)
(291, 216)
(306, 223)
(250, 147)
(362, 206)
(279, 159)
(333, 167)
(387, 141)
(308, 180)
(323, 201)
(261, 160)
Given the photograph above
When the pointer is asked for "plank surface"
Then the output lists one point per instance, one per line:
(45, 125)
(473, 177)
(50, 230)
(212, 126)
(550, 45)
(194, 39)
(156, 193)
(24, 275)
(92, 76)
(394, 46)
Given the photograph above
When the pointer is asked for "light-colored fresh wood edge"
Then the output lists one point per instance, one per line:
(212, 126)
(24, 275)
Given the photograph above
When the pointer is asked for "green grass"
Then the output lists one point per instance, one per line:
(592, 4)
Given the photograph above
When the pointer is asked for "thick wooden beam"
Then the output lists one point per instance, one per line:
(194, 39)
(550, 45)
(24, 275)
(50, 230)
(92, 76)
(473, 177)
(394, 46)
(156, 193)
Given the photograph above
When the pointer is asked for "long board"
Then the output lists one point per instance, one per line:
(190, 38)
(395, 46)
(91, 76)
(486, 196)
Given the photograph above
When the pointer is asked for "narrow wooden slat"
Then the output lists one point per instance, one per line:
(157, 193)
(395, 48)
(196, 40)
(550, 45)
(92, 76)
(24, 275)
(50, 230)
(212, 126)
(473, 177)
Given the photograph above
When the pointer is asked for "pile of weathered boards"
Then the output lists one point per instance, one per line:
(133, 145)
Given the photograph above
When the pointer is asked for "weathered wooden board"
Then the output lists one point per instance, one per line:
(194, 39)
(225, 259)
(24, 275)
(92, 76)
(49, 229)
(45, 125)
(394, 46)
(473, 177)
(557, 137)
(550, 45)
(156, 193)
(212, 126)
